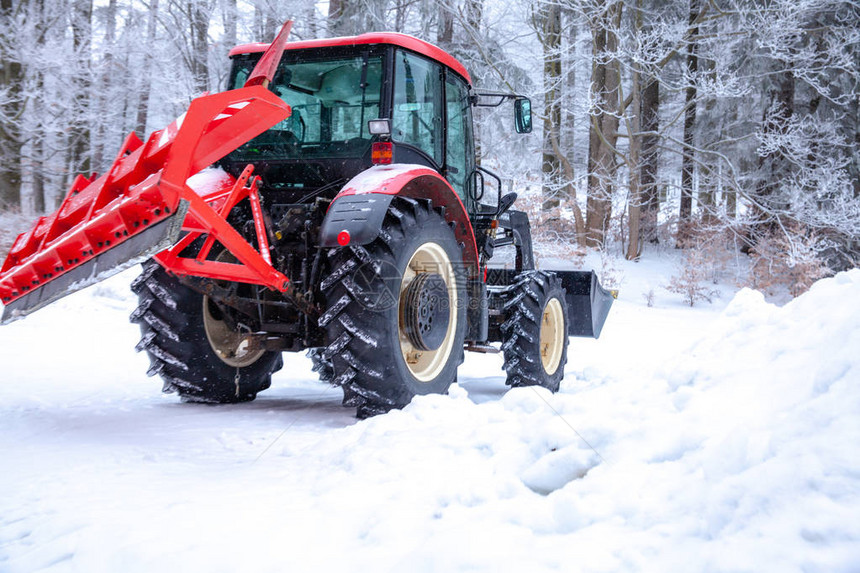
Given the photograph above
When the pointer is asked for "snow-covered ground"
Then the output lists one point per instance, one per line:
(725, 437)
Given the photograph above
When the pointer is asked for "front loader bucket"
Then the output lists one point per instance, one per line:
(588, 303)
(138, 207)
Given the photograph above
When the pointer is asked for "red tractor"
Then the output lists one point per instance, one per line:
(337, 207)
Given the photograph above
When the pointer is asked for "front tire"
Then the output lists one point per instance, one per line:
(382, 301)
(534, 334)
(192, 347)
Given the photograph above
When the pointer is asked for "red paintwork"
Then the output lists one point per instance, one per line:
(402, 40)
(148, 180)
(265, 69)
(144, 186)
(418, 182)
(253, 267)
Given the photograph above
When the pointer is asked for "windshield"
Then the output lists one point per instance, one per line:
(332, 100)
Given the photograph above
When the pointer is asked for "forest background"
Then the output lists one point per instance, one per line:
(725, 128)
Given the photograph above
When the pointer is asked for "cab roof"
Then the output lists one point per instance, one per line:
(402, 40)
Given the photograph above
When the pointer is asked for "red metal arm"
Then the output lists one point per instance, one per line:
(142, 189)
(265, 69)
(253, 266)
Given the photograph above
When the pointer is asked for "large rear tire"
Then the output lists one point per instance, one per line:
(321, 365)
(395, 317)
(534, 334)
(197, 353)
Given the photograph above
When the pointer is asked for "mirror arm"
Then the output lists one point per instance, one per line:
(475, 98)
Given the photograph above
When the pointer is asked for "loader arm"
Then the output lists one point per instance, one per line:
(142, 204)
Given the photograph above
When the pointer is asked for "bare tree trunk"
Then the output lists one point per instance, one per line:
(37, 159)
(270, 22)
(650, 124)
(311, 17)
(336, 10)
(854, 168)
(578, 220)
(445, 31)
(80, 158)
(230, 14)
(731, 197)
(776, 116)
(199, 13)
(11, 81)
(707, 194)
(685, 213)
(604, 124)
(39, 199)
(549, 20)
(634, 205)
(143, 105)
(258, 22)
(568, 64)
(474, 15)
(401, 11)
(774, 168)
(107, 74)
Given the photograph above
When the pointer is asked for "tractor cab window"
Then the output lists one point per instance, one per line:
(417, 114)
(331, 99)
(459, 151)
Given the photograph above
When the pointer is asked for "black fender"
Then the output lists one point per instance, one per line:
(359, 215)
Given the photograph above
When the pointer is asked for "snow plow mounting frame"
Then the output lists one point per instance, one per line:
(143, 203)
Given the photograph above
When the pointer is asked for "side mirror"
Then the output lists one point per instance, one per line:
(523, 115)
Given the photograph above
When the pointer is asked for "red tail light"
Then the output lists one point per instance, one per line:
(382, 153)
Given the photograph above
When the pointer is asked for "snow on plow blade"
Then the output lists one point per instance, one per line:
(138, 207)
(588, 303)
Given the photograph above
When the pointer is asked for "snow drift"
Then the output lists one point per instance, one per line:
(740, 453)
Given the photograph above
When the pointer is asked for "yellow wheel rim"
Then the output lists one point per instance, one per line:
(233, 347)
(552, 336)
(426, 365)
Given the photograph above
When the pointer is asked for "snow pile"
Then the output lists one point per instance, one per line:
(210, 180)
(741, 453)
(756, 463)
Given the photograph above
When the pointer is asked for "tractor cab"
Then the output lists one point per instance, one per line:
(337, 89)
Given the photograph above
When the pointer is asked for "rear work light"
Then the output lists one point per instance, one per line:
(379, 127)
(382, 153)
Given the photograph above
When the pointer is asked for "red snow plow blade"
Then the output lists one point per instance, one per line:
(142, 204)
